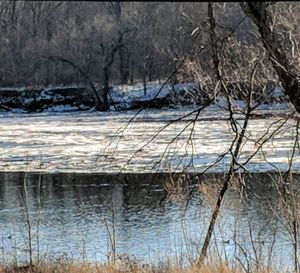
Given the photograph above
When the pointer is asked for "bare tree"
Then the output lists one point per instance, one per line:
(262, 17)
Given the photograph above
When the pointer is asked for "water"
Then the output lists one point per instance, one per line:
(74, 215)
(98, 142)
(99, 179)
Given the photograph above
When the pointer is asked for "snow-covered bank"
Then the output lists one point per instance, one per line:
(78, 97)
(120, 98)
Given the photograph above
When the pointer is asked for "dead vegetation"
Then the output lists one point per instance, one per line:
(122, 268)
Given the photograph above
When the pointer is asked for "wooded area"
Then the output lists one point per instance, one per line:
(45, 43)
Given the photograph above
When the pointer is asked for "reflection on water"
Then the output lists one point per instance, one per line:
(74, 215)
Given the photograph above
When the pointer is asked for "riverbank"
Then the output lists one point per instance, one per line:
(77, 97)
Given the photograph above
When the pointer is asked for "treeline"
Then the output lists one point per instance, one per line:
(50, 42)
(107, 43)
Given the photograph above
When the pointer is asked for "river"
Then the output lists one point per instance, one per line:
(88, 179)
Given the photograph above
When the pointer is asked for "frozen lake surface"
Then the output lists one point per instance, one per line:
(102, 142)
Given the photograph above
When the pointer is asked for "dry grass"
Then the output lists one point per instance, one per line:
(123, 268)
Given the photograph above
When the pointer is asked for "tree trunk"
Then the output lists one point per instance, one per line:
(150, 68)
(235, 149)
(287, 72)
(98, 101)
(124, 71)
(131, 78)
(104, 105)
(145, 84)
(108, 63)
(13, 16)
